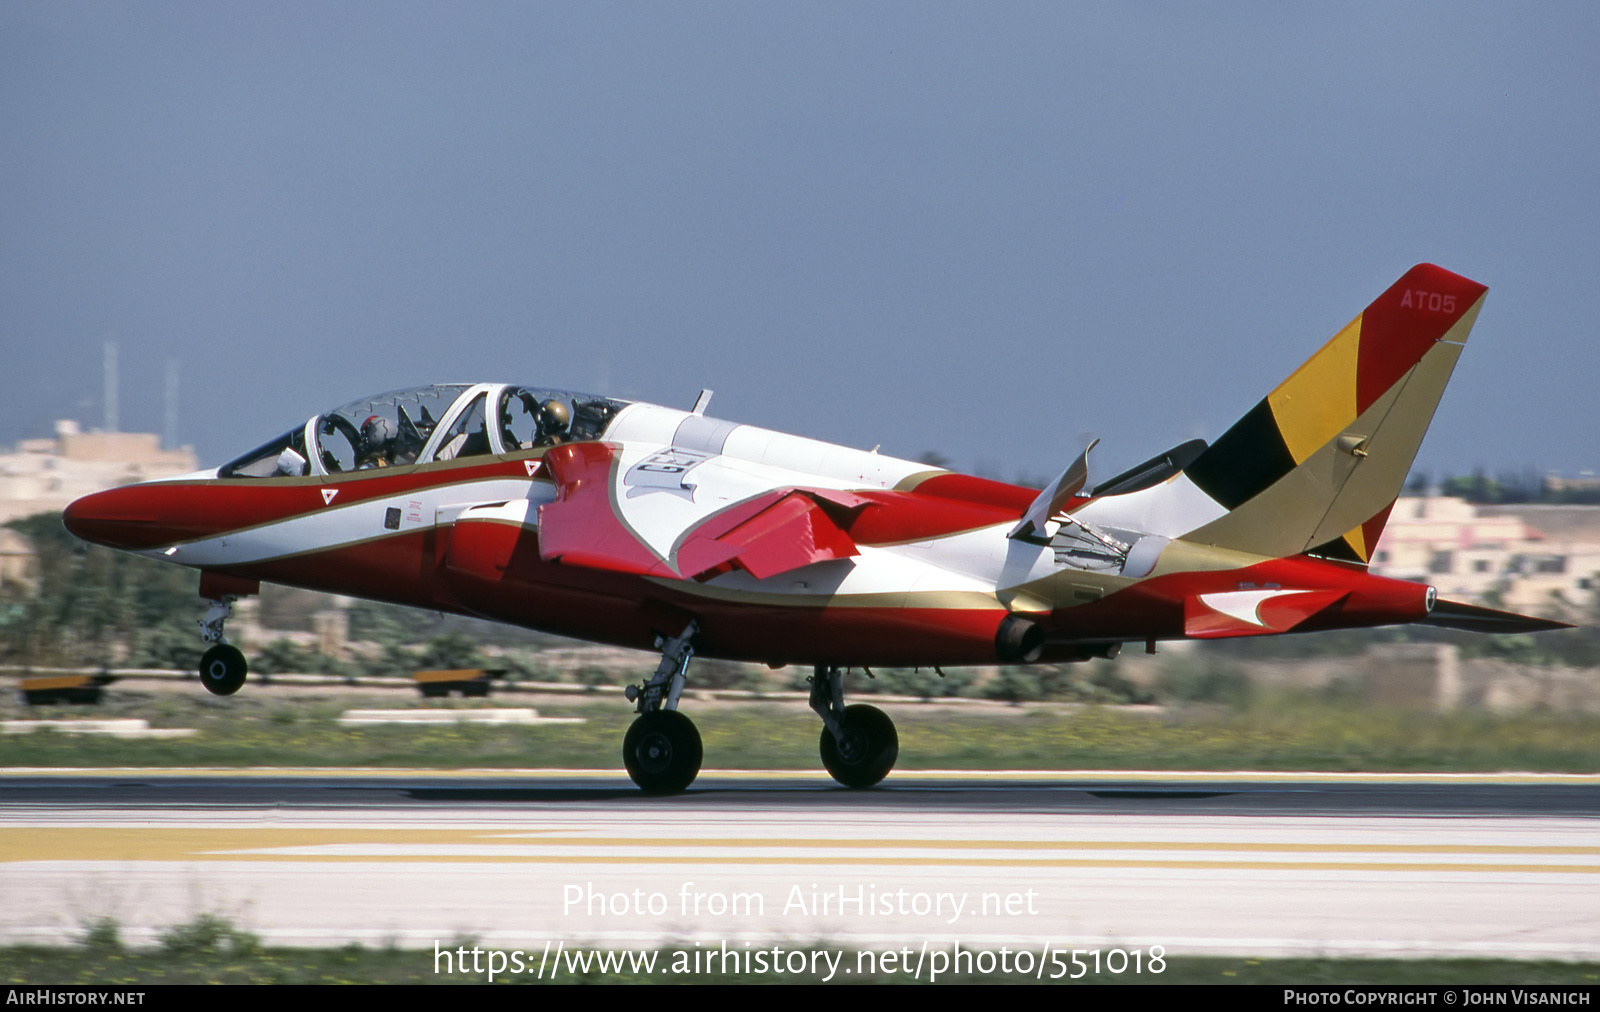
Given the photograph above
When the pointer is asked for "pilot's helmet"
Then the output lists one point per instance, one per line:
(377, 433)
(555, 416)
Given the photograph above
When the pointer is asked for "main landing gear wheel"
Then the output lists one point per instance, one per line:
(223, 669)
(662, 751)
(868, 751)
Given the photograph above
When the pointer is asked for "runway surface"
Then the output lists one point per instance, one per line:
(1265, 864)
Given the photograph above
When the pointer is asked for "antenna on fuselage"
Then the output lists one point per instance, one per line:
(702, 402)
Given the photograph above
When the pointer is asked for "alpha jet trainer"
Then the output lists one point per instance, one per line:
(645, 526)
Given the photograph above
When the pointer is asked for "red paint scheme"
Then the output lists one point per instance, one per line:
(403, 568)
(1276, 614)
(215, 585)
(594, 579)
(926, 574)
(1404, 322)
(785, 530)
(495, 569)
(1156, 608)
(160, 513)
(898, 517)
(982, 491)
(768, 534)
(581, 527)
(1372, 529)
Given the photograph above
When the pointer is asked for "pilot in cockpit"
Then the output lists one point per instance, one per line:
(377, 443)
(555, 423)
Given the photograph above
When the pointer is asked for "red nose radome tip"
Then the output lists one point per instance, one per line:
(115, 519)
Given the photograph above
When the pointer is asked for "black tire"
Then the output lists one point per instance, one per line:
(662, 752)
(223, 670)
(870, 747)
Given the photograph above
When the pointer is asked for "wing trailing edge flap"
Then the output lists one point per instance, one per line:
(1254, 612)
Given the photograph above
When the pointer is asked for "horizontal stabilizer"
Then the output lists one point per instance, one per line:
(1153, 471)
(1472, 618)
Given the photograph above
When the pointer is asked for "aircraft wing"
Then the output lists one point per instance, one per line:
(770, 535)
(670, 512)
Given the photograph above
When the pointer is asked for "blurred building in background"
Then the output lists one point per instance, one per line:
(44, 475)
(1531, 557)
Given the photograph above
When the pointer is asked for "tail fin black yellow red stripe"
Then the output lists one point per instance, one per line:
(1317, 464)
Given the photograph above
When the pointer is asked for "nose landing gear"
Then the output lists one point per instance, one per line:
(223, 667)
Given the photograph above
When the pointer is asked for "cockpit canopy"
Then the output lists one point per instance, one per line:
(428, 424)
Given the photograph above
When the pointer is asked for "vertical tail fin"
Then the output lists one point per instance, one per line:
(1316, 465)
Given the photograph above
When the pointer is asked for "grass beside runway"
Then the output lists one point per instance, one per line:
(1284, 734)
(212, 951)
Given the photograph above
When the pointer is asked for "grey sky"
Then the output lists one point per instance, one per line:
(977, 228)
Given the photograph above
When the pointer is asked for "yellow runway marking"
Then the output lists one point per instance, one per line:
(879, 843)
(166, 844)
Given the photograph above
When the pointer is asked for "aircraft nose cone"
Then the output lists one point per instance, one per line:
(108, 518)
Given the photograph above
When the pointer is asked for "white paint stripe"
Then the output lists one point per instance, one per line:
(337, 526)
(1244, 605)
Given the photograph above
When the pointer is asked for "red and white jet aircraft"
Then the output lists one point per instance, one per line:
(645, 526)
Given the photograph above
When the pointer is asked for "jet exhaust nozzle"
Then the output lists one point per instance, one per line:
(1019, 640)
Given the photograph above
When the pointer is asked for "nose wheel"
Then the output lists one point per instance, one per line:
(662, 751)
(223, 669)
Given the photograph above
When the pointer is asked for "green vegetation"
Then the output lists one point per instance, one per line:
(1579, 647)
(1525, 486)
(90, 601)
(211, 950)
(1067, 683)
(91, 605)
(1270, 731)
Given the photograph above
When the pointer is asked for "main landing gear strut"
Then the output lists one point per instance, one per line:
(223, 667)
(662, 748)
(859, 744)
